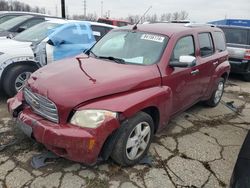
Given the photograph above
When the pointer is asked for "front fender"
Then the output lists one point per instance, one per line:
(5, 64)
(132, 102)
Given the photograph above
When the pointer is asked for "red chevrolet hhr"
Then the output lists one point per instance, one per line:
(110, 101)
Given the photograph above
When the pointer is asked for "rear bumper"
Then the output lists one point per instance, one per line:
(240, 66)
(65, 140)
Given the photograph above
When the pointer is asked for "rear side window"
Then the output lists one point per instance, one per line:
(219, 41)
(236, 35)
(206, 44)
(184, 46)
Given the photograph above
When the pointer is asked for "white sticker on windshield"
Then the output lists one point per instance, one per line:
(155, 38)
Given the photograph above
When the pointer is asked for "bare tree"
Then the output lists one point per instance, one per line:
(183, 15)
(18, 6)
(165, 17)
(175, 16)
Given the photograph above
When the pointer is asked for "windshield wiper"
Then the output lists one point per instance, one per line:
(90, 52)
(115, 59)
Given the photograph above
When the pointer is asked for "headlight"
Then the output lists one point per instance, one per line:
(91, 118)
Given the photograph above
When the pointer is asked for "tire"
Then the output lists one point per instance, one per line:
(246, 77)
(122, 152)
(11, 85)
(217, 94)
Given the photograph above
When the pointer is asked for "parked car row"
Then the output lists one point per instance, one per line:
(110, 101)
(49, 40)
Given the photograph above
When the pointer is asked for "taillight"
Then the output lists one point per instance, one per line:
(247, 55)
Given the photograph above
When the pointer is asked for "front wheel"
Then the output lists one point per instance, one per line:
(134, 140)
(16, 78)
(217, 94)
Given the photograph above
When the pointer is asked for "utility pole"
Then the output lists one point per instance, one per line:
(101, 9)
(56, 10)
(85, 8)
(63, 8)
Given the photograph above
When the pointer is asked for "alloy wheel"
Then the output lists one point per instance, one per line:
(138, 140)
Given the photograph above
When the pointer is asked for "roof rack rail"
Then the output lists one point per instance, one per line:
(198, 25)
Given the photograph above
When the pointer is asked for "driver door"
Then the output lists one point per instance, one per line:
(184, 82)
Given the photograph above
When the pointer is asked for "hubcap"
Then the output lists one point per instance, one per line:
(138, 140)
(219, 92)
(21, 79)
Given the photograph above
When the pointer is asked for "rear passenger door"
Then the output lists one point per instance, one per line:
(207, 61)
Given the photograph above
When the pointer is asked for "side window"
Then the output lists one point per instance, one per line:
(184, 46)
(219, 41)
(98, 31)
(31, 22)
(206, 44)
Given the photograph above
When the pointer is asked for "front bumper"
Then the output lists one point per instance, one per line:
(66, 140)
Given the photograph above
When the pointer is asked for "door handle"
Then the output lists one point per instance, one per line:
(194, 72)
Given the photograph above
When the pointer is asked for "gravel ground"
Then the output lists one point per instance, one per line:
(199, 148)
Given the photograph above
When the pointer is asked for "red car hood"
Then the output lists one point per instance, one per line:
(71, 82)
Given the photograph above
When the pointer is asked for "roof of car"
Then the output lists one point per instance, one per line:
(23, 13)
(62, 21)
(102, 24)
(171, 28)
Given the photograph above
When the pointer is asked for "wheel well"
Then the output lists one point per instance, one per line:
(5, 71)
(155, 114)
(225, 75)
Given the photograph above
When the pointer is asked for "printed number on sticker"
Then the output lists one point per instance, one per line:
(155, 38)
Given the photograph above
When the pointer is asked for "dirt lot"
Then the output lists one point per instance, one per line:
(198, 149)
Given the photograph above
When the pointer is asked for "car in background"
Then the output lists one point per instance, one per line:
(43, 44)
(18, 24)
(7, 15)
(238, 46)
(118, 23)
(237, 32)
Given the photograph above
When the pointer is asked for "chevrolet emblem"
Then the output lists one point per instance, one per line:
(35, 103)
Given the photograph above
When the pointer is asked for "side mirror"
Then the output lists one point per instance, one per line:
(184, 61)
(56, 42)
(10, 36)
(21, 29)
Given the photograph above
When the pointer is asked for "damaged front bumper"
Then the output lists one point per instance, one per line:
(66, 140)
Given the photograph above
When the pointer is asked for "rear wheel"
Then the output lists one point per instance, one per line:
(16, 78)
(134, 140)
(217, 94)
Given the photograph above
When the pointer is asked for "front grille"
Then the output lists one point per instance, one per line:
(41, 105)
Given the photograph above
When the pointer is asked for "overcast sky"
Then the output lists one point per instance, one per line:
(198, 10)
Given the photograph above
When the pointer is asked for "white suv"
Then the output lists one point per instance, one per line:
(42, 44)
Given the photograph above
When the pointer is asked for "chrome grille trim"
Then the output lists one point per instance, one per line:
(41, 105)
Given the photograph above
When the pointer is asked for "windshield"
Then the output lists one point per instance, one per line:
(131, 47)
(36, 33)
(6, 18)
(236, 35)
(13, 22)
